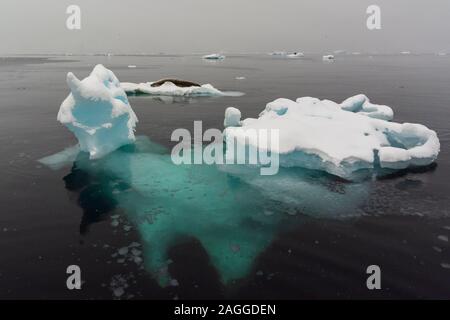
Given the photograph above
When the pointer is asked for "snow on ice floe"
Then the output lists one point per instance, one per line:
(98, 113)
(170, 89)
(340, 139)
(362, 105)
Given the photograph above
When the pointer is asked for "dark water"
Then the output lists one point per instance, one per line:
(52, 219)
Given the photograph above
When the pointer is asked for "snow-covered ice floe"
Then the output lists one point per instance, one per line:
(214, 56)
(278, 53)
(340, 139)
(296, 55)
(98, 113)
(170, 89)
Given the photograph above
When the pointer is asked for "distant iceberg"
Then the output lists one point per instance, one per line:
(278, 53)
(295, 55)
(340, 139)
(98, 113)
(214, 56)
(170, 89)
(328, 57)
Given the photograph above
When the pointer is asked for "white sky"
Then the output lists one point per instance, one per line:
(197, 26)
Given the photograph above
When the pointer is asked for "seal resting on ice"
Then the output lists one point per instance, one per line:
(177, 82)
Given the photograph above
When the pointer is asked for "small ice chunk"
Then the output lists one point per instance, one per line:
(135, 244)
(295, 55)
(114, 223)
(174, 283)
(136, 252)
(214, 56)
(118, 292)
(443, 238)
(232, 117)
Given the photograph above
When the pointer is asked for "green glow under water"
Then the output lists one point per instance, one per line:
(233, 211)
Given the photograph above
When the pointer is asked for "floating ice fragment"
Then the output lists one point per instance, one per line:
(328, 57)
(278, 53)
(214, 56)
(98, 113)
(295, 55)
(443, 238)
(232, 117)
(61, 159)
(174, 283)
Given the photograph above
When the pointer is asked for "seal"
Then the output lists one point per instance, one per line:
(177, 82)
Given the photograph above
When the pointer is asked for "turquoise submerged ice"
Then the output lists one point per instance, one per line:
(234, 213)
(98, 113)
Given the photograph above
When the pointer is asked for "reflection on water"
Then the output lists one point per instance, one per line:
(166, 99)
(234, 215)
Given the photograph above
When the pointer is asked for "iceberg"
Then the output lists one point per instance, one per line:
(278, 53)
(295, 55)
(232, 117)
(98, 113)
(340, 139)
(214, 56)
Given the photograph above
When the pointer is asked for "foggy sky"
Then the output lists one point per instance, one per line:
(200, 26)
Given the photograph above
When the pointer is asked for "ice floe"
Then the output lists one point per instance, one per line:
(295, 55)
(170, 89)
(278, 53)
(340, 139)
(98, 113)
(328, 57)
(232, 117)
(214, 56)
